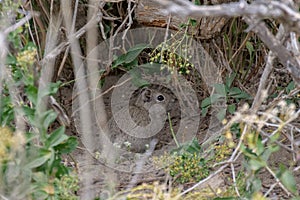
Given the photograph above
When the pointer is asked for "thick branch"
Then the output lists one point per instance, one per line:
(258, 9)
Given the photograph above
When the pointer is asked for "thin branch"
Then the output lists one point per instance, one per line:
(234, 180)
(23, 21)
(278, 181)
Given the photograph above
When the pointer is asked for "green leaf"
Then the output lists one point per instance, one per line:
(220, 89)
(256, 164)
(256, 185)
(238, 93)
(139, 47)
(287, 179)
(231, 108)
(56, 137)
(250, 48)
(150, 68)
(31, 92)
(39, 177)
(29, 113)
(266, 154)
(192, 22)
(260, 148)
(60, 169)
(242, 95)
(43, 158)
(119, 61)
(11, 60)
(221, 114)
(48, 118)
(30, 136)
(204, 111)
(197, 2)
(67, 146)
(189, 147)
(234, 91)
(290, 87)
(132, 64)
(193, 147)
(137, 79)
(205, 102)
(229, 80)
(51, 89)
(216, 98)
(248, 152)
(130, 56)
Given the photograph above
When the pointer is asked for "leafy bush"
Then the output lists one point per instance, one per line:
(31, 157)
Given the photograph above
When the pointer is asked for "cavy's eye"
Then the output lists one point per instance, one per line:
(160, 98)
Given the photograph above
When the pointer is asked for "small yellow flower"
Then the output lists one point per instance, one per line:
(27, 57)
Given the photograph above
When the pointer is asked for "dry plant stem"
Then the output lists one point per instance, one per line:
(130, 21)
(114, 34)
(48, 66)
(62, 64)
(100, 15)
(234, 179)
(270, 189)
(259, 97)
(278, 143)
(21, 22)
(45, 10)
(81, 85)
(61, 47)
(93, 78)
(165, 38)
(293, 144)
(291, 62)
(38, 41)
(278, 181)
(240, 47)
(204, 180)
(140, 164)
(172, 131)
(92, 53)
(128, 17)
(3, 197)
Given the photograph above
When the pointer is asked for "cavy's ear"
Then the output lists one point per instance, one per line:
(146, 94)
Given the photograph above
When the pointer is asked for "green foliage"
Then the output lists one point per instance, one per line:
(190, 147)
(66, 186)
(187, 165)
(221, 152)
(287, 179)
(188, 168)
(224, 92)
(30, 161)
(129, 59)
(257, 154)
